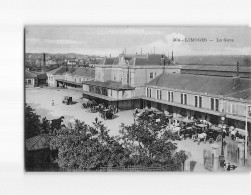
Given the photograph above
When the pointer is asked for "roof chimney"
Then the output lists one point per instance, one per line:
(237, 72)
(236, 78)
(110, 55)
(162, 60)
(172, 58)
(44, 64)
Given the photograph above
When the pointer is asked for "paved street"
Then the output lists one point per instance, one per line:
(40, 99)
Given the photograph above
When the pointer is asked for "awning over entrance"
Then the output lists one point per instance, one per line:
(195, 108)
(69, 82)
(104, 97)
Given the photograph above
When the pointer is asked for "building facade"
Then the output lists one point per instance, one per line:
(122, 79)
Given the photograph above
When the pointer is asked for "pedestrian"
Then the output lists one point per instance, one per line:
(52, 103)
(96, 119)
(114, 109)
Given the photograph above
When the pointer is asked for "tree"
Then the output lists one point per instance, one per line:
(81, 146)
(32, 123)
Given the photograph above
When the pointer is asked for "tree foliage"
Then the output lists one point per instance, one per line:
(84, 147)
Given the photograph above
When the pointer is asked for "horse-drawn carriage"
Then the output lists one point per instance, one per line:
(214, 134)
(67, 100)
(187, 128)
(106, 114)
(91, 105)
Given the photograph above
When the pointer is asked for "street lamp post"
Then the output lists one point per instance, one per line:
(223, 117)
(246, 134)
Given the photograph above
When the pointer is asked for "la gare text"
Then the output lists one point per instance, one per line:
(203, 40)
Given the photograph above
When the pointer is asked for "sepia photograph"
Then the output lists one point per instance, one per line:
(137, 99)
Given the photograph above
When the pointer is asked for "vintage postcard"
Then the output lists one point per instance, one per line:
(137, 99)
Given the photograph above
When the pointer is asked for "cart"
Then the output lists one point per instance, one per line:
(67, 100)
(214, 134)
(107, 114)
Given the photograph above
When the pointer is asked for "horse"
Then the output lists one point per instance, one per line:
(198, 137)
(56, 123)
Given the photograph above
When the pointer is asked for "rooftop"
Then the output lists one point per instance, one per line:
(29, 74)
(214, 85)
(150, 59)
(37, 142)
(109, 85)
(225, 68)
(109, 61)
(84, 71)
(58, 71)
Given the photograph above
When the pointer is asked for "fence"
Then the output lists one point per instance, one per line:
(233, 152)
(208, 160)
(169, 168)
(55, 168)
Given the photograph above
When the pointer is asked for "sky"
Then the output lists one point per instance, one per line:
(116, 40)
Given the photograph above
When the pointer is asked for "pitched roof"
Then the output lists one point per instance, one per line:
(84, 71)
(37, 142)
(214, 85)
(150, 59)
(58, 71)
(70, 70)
(29, 74)
(109, 61)
(40, 75)
(225, 68)
(109, 85)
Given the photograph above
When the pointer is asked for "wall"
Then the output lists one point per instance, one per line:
(206, 100)
(32, 84)
(52, 79)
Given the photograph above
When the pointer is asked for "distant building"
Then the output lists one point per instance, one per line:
(216, 70)
(34, 79)
(72, 62)
(30, 79)
(74, 77)
(55, 74)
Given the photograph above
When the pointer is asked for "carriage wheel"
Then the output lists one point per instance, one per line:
(211, 140)
(219, 138)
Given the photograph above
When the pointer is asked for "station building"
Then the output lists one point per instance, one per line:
(120, 81)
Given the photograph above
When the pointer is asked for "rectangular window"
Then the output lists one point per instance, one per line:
(212, 103)
(200, 102)
(171, 96)
(183, 99)
(150, 92)
(158, 94)
(217, 104)
(151, 75)
(233, 108)
(196, 101)
(29, 81)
